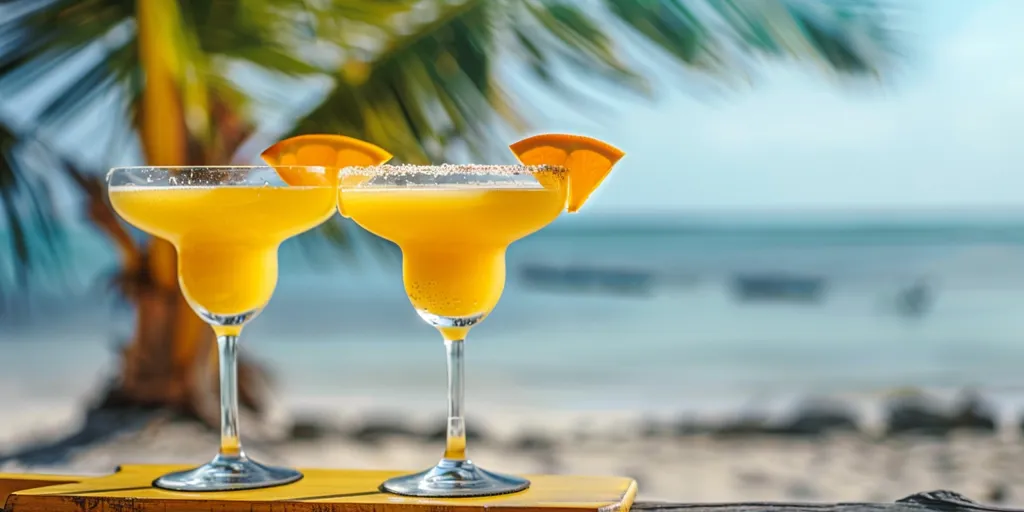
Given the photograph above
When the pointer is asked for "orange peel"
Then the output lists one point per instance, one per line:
(588, 160)
(331, 151)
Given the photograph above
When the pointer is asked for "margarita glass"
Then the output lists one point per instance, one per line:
(226, 224)
(453, 224)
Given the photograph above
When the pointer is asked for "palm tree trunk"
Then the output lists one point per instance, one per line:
(171, 359)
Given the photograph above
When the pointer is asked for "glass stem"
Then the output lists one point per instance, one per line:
(455, 444)
(230, 443)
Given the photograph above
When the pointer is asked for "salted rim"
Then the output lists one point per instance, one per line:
(450, 169)
(200, 176)
(207, 169)
(222, 168)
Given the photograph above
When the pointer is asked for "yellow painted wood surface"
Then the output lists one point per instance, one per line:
(14, 482)
(321, 490)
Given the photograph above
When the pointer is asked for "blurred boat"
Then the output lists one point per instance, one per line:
(778, 287)
(612, 281)
(915, 300)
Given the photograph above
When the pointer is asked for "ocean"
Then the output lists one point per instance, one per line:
(850, 309)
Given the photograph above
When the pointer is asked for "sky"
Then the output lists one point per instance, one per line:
(948, 135)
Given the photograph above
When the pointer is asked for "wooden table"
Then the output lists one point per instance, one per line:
(320, 490)
(323, 490)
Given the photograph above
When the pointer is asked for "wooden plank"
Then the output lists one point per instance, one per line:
(60, 493)
(321, 490)
(11, 483)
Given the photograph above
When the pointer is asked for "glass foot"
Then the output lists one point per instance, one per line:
(454, 478)
(227, 474)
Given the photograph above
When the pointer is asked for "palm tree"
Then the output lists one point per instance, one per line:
(188, 82)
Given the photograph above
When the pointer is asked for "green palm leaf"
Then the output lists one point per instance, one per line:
(27, 213)
(435, 87)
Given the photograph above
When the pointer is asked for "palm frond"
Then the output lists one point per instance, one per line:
(36, 42)
(29, 220)
(433, 88)
(841, 36)
(75, 48)
(418, 77)
(420, 94)
(576, 37)
(421, 91)
(673, 27)
(557, 38)
(251, 31)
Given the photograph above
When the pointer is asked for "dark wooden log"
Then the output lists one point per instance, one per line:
(932, 501)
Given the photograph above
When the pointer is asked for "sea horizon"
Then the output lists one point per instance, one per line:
(643, 312)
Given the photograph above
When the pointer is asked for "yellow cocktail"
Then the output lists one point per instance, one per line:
(453, 224)
(227, 237)
(226, 224)
(453, 240)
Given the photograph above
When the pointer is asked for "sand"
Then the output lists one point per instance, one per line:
(688, 468)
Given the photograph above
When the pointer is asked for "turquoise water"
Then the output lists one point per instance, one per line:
(342, 327)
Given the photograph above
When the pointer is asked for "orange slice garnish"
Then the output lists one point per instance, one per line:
(332, 151)
(588, 160)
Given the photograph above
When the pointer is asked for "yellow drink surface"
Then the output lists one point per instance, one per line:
(226, 237)
(453, 240)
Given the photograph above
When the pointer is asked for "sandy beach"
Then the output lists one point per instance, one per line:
(672, 460)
